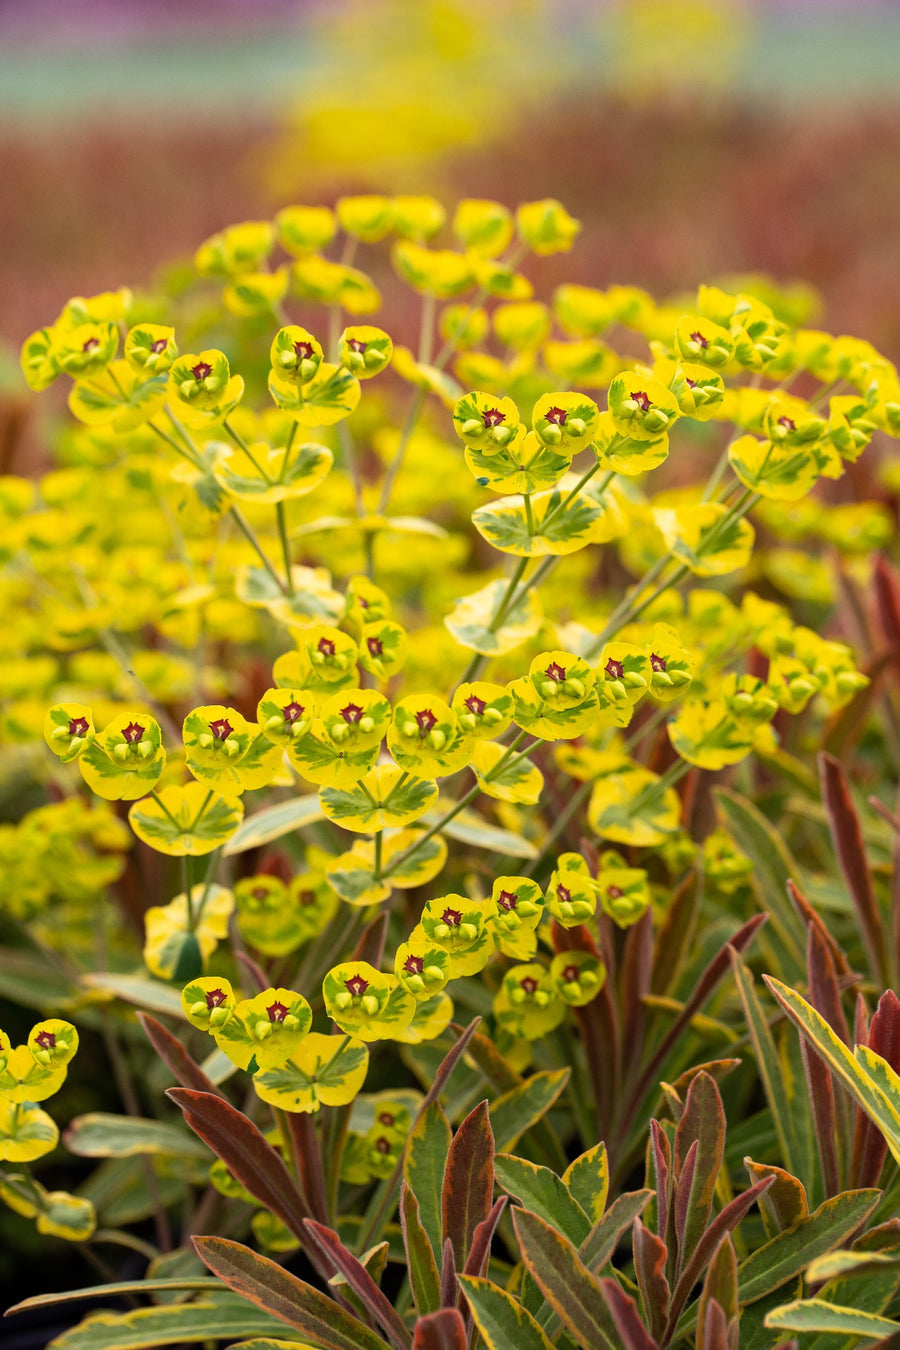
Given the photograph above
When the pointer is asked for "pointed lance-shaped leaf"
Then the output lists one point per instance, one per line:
(468, 1185)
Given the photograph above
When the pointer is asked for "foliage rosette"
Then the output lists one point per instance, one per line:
(485, 622)
(503, 777)
(624, 454)
(707, 734)
(709, 541)
(524, 465)
(263, 474)
(327, 397)
(384, 798)
(628, 805)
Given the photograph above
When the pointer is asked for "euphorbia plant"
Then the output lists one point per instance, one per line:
(464, 774)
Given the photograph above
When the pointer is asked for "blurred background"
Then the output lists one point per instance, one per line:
(695, 139)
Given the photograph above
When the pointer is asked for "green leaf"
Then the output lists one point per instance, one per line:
(788, 1100)
(773, 867)
(545, 1194)
(568, 1286)
(788, 1253)
(473, 620)
(814, 1314)
(171, 1324)
(523, 1105)
(426, 1155)
(501, 1319)
(587, 1179)
(469, 828)
(98, 1135)
(30, 981)
(138, 989)
(423, 1272)
(360, 1281)
(273, 822)
(112, 1290)
(601, 1242)
(270, 1287)
(395, 803)
(879, 1102)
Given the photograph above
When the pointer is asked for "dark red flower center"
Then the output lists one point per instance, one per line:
(657, 662)
(363, 604)
(493, 417)
(356, 345)
(326, 646)
(352, 713)
(475, 704)
(221, 728)
(614, 892)
(215, 998)
(356, 985)
(78, 726)
(563, 894)
(529, 984)
(293, 712)
(555, 672)
(202, 370)
(642, 399)
(382, 1145)
(277, 1012)
(425, 721)
(414, 965)
(452, 917)
(386, 1118)
(614, 669)
(304, 350)
(259, 893)
(699, 339)
(557, 416)
(159, 345)
(375, 646)
(46, 1040)
(691, 384)
(507, 900)
(570, 974)
(90, 345)
(787, 422)
(133, 732)
(307, 897)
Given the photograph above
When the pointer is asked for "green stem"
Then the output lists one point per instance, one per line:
(287, 450)
(378, 840)
(251, 538)
(281, 515)
(508, 758)
(396, 788)
(529, 514)
(242, 445)
(585, 478)
(409, 427)
(165, 810)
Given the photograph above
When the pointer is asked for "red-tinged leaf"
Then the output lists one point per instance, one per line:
(702, 1122)
(180, 1064)
(568, 1286)
(468, 1188)
(254, 970)
(602, 1240)
(676, 934)
(846, 834)
(244, 1151)
(812, 919)
(712, 1328)
(721, 1283)
(426, 1153)
(623, 1311)
(272, 1288)
(784, 1203)
(544, 1193)
(887, 600)
(371, 943)
(360, 1281)
(819, 1080)
(442, 1330)
(725, 1222)
(661, 1157)
(718, 1069)
(650, 1255)
(501, 1319)
(634, 982)
(480, 1251)
(424, 1280)
(503, 1078)
(883, 1036)
(310, 1171)
(824, 990)
(449, 1282)
(708, 981)
(681, 1203)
